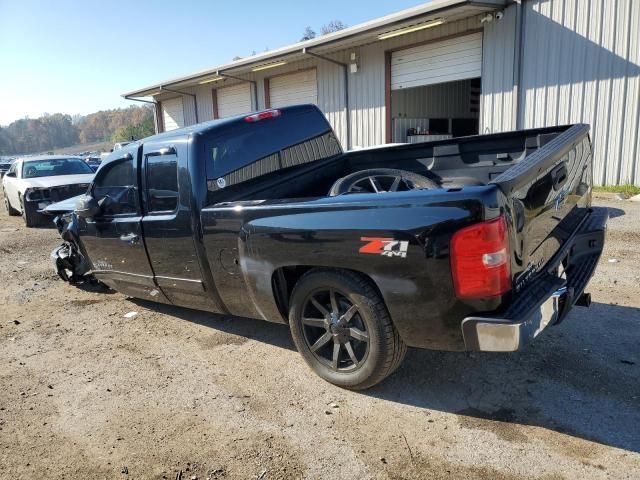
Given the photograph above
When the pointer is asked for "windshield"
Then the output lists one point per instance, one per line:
(52, 168)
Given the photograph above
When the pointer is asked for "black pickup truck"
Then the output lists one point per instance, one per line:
(469, 244)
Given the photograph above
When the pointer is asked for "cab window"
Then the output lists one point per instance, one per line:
(162, 183)
(116, 189)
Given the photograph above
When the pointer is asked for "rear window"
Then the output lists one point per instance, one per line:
(52, 168)
(244, 143)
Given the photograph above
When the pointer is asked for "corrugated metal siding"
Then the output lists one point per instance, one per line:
(447, 61)
(189, 107)
(500, 49)
(293, 89)
(581, 63)
(204, 102)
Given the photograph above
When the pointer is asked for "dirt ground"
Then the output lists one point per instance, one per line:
(87, 393)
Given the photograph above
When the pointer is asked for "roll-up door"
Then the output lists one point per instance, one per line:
(172, 113)
(234, 100)
(293, 89)
(446, 61)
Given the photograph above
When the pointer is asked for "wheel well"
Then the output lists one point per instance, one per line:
(285, 278)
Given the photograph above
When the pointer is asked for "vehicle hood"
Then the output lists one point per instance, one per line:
(68, 205)
(56, 181)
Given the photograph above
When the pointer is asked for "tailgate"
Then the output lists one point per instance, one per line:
(548, 194)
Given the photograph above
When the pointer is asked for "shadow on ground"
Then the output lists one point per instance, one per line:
(615, 212)
(581, 378)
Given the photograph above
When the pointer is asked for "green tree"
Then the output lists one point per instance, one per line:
(142, 129)
(59, 130)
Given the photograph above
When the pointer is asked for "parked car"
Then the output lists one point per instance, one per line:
(5, 164)
(32, 183)
(93, 162)
(476, 243)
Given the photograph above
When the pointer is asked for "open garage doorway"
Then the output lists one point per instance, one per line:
(436, 112)
(434, 89)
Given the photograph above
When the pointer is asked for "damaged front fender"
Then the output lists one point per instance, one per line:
(70, 264)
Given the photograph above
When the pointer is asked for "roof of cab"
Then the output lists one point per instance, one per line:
(210, 125)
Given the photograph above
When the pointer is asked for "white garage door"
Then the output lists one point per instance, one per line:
(172, 114)
(234, 100)
(294, 88)
(446, 61)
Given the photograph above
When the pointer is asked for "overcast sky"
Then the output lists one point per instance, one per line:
(78, 57)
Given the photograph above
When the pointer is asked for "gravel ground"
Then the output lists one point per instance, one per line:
(88, 393)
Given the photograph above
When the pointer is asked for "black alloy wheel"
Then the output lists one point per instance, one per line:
(342, 328)
(334, 330)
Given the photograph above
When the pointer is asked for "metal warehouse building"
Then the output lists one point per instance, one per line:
(442, 69)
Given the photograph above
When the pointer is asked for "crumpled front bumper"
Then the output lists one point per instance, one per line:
(547, 300)
(69, 264)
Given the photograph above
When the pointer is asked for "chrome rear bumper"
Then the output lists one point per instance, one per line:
(547, 300)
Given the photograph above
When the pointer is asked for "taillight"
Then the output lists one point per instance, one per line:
(480, 260)
(256, 117)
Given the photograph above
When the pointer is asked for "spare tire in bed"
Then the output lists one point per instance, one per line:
(379, 180)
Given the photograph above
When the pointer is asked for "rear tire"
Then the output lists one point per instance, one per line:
(350, 312)
(12, 212)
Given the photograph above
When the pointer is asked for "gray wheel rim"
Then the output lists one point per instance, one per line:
(381, 184)
(334, 330)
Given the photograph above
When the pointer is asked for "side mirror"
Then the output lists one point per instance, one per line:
(11, 174)
(87, 207)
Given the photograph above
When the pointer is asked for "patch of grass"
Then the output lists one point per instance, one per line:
(626, 189)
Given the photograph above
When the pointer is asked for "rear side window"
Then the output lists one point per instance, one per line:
(116, 188)
(244, 143)
(162, 183)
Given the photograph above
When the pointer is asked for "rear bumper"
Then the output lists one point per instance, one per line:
(547, 300)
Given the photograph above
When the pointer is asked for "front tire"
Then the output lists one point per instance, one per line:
(28, 217)
(12, 212)
(342, 329)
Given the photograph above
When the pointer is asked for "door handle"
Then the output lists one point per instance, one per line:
(130, 238)
(559, 176)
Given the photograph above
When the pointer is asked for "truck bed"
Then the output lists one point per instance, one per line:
(281, 225)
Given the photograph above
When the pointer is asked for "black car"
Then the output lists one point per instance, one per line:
(474, 243)
(5, 165)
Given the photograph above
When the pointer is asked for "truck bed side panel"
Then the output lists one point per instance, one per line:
(330, 232)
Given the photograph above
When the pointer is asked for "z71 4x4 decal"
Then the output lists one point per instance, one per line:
(387, 247)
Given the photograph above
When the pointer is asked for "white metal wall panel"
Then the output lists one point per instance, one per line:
(581, 63)
(173, 113)
(500, 53)
(234, 100)
(294, 88)
(458, 58)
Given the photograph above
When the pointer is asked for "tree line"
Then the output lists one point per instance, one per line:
(35, 135)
